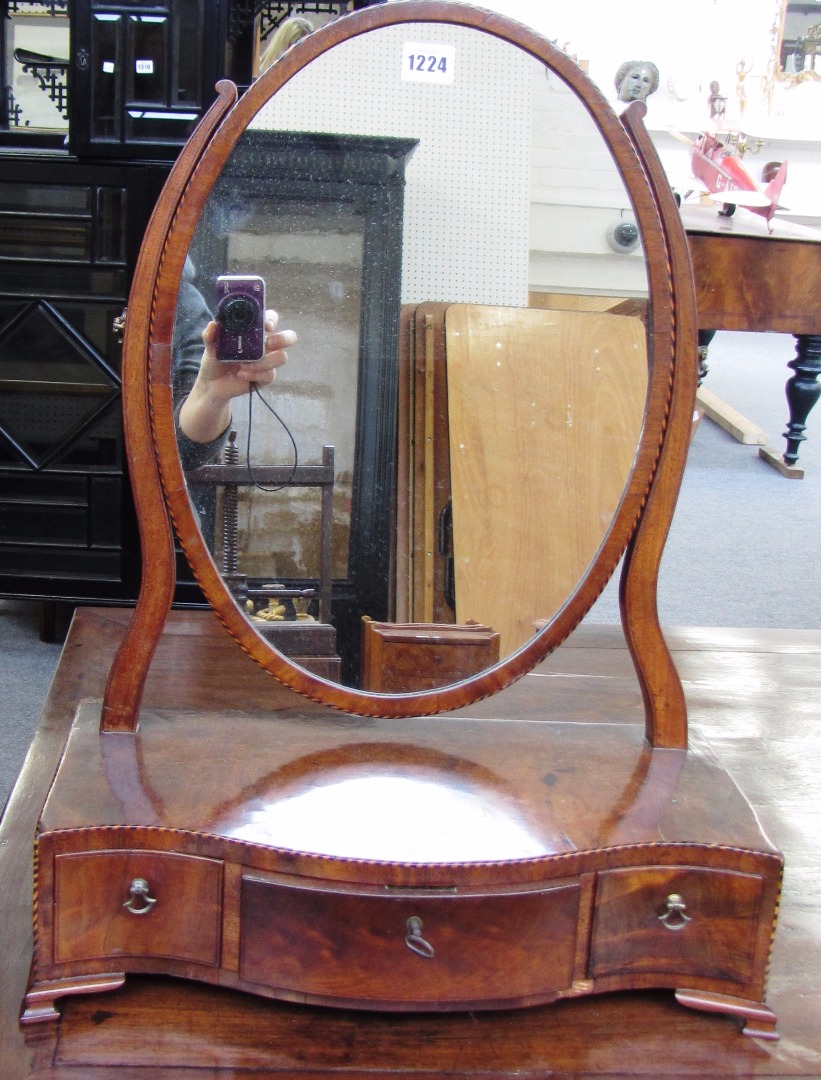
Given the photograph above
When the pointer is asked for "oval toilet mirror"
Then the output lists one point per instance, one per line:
(455, 225)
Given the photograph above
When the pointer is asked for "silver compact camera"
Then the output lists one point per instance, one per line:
(240, 318)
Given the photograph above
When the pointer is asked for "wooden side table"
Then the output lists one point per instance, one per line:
(750, 279)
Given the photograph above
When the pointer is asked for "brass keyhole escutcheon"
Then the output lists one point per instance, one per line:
(139, 901)
(674, 916)
(414, 940)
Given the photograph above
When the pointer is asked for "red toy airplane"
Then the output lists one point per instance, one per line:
(716, 162)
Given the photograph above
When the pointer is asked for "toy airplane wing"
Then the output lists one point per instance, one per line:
(732, 193)
(680, 136)
(741, 198)
(734, 196)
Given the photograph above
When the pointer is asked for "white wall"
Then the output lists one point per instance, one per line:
(467, 156)
(692, 44)
(511, 187)
(576, 194)
(574, 198)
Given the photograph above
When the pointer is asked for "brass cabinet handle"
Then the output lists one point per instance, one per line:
(414, 940)
(139, 902)
(674, 916)
(118, 325)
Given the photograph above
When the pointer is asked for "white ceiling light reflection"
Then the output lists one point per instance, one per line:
(396, 818)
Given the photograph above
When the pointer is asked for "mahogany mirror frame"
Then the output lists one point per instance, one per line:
(639, 529)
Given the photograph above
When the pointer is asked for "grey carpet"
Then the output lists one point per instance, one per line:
(741, 546)
(26, 669)
(741, 549)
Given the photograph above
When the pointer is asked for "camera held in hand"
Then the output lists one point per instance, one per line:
(240, 318)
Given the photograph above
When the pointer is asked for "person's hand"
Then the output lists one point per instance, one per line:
(233, 379)
(206, 412)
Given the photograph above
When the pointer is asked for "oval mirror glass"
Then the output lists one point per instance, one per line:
(419, 496)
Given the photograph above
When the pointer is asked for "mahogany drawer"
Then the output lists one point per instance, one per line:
(402, 657)
(405, 947)
(677, 920)
(91, 920)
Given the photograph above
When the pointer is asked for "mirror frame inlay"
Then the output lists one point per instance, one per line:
(639, 527)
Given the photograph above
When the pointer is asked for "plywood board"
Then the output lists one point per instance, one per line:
(431, 465)
(545, 414)
(402, 542)
(572, 301)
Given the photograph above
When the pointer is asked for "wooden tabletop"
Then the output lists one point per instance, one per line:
(706, 219)
(747, 278)
(754, 698)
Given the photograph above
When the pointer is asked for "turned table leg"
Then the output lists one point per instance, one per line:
(704, 339)
(802, 390)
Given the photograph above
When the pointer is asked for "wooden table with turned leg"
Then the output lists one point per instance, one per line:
(748, 278)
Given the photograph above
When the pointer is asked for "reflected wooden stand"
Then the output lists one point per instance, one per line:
(402, 658)
(312, 644)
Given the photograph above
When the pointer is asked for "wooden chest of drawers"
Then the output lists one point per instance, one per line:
(118, 904)
(678, 921)
(260, 899)
(354, 944)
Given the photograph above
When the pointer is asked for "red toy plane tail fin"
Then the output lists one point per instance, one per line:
(773, 189)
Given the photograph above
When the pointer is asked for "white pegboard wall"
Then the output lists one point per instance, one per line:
(467, 195)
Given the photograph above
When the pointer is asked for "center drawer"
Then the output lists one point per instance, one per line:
(405, 948)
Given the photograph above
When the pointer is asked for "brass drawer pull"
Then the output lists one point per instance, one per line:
(674, 916)
(138, 895)
(414, 940)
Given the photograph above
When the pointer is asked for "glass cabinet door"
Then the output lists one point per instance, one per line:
(143, 74)
(34, 61)
(128, 78)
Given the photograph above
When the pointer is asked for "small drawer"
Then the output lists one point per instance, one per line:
(406, 948)
(402, 657)
(676, 921)
(102, 909)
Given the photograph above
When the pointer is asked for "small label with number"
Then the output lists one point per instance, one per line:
(144, 67)
(426, 62)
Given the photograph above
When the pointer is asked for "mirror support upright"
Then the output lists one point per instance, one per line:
(665, 707)
(124, 689)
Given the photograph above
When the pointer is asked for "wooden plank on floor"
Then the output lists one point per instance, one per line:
(772, 457)
(730, 419)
